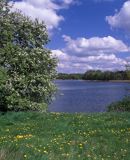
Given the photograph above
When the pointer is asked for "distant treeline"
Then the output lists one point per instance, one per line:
(96, 75)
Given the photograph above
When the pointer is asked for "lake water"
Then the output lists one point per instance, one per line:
(87, 96)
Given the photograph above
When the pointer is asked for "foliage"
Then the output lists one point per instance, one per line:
(29, 65)
(3, 79)
(3, 75)
(96, 75)
(64, 76)
(49, 136)
(128, 71)
(121, 106)
(128, 74)
(106, 75)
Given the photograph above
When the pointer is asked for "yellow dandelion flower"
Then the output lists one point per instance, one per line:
(19, 136)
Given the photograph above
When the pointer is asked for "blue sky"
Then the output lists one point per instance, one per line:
(85, 34)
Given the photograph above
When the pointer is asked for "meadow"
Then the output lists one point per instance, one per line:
(58, 136)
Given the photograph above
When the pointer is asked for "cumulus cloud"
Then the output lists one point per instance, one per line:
(83, 54)
(95, 53)
(94, 46)
(121, 19)
(68, 1)
(44, 10)
(128, 60)
(73, 64)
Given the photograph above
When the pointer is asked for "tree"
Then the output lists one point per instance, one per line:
(105, 75)
(28, 65)
(128, 71)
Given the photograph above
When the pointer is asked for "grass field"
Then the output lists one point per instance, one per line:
(54, 136)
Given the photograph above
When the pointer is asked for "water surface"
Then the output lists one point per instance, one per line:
(87, 96)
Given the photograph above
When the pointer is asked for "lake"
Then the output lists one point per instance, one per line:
(87, 96)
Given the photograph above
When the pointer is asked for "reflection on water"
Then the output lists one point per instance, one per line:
(87, 96)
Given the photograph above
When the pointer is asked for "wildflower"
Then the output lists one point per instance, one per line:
(23, 136)
(45, 152)
(19, 136)
(25, 156)
(67, 154)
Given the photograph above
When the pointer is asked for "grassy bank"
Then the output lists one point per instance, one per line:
(51, 136)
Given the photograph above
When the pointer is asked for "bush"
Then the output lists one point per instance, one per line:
(121, 106)
(29, 66)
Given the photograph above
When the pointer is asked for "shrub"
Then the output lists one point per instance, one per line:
(121, 106)
(29, 66)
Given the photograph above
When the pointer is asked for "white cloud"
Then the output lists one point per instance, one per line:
(44, 10)
(121, 19)
(68, 1)
(83, 54)
(128, 60)
(60, 55)
(73, 64)
(94, 46)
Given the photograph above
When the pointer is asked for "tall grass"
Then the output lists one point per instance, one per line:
(54, 136)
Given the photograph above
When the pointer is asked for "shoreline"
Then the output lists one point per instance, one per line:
(127, 81)
(123, 81)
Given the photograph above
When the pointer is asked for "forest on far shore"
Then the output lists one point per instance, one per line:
(96, 75)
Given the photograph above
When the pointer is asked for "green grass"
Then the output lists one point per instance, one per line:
(120, 106)
(53, 136)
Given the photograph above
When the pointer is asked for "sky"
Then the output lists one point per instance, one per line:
(85, 34)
